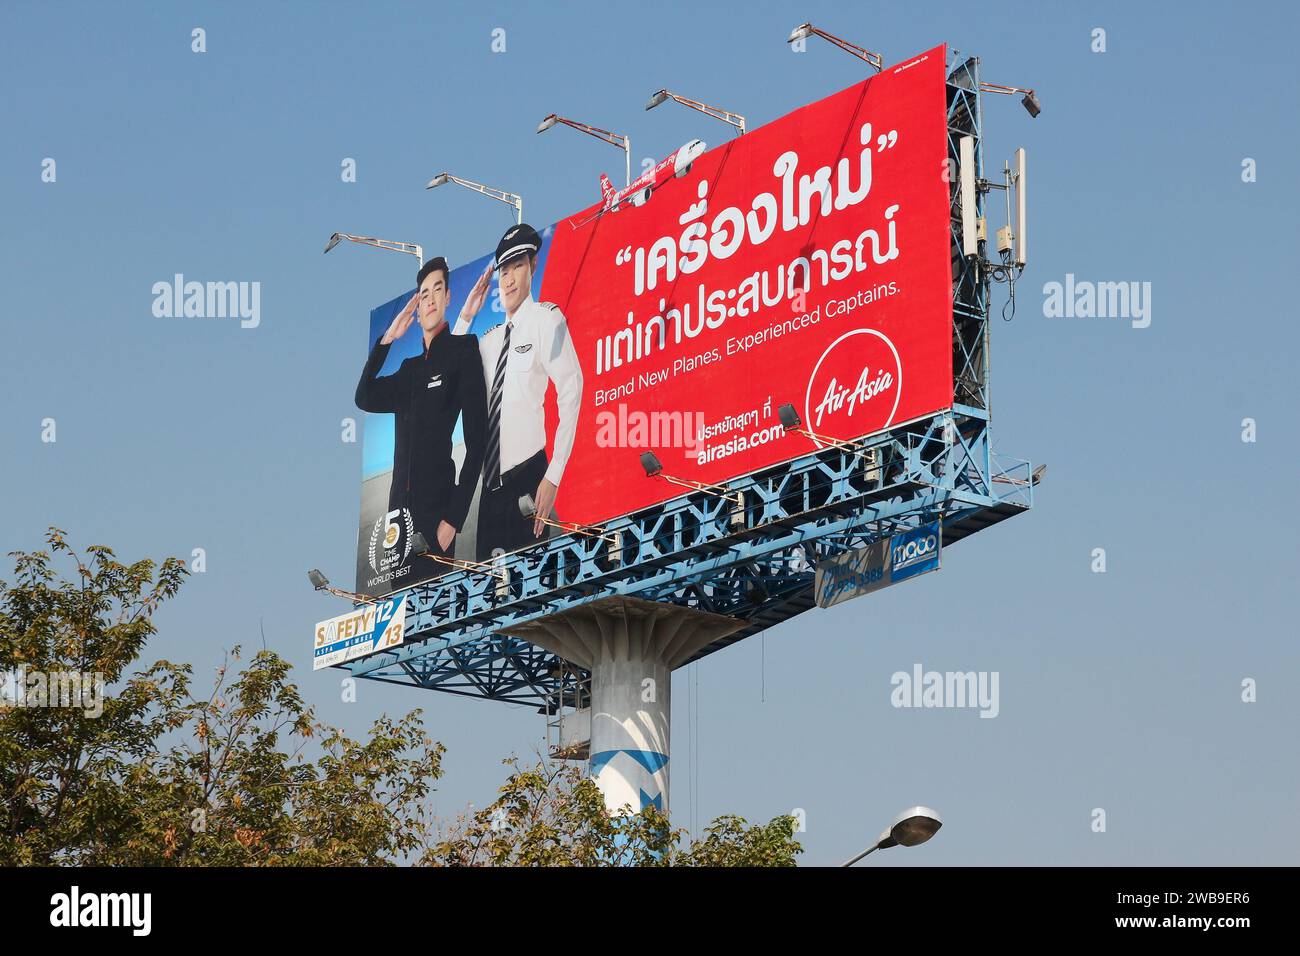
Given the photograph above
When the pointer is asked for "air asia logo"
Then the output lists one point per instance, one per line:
(855, 386)
(388, 532)
(915, 551)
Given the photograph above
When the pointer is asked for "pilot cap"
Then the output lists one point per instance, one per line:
(518, 241)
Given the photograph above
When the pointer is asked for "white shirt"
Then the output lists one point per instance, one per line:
(541, 351)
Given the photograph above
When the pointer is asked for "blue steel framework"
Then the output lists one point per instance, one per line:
(753, 562)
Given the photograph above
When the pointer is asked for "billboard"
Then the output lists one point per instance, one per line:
(805, 262)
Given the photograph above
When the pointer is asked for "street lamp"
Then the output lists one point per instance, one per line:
(805, 30)
(510, 199)
(604, 135)
(910, 828)
(735, 119)
(410, 248)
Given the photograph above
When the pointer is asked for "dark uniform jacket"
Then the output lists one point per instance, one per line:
(426, 394)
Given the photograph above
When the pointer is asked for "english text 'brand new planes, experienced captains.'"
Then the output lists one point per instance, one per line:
(636, 194)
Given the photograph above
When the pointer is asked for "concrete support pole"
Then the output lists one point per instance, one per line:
(631, 647)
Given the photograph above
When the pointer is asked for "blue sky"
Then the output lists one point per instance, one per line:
(1119, 690)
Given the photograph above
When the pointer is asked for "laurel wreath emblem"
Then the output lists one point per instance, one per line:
(379, 527)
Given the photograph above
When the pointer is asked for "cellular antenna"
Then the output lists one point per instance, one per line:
(1018, 178)
(969, 212)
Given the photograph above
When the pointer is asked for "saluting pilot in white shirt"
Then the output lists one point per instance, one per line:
(541, 352)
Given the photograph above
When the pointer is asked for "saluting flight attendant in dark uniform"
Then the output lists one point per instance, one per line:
(524, 355)
(426, 394)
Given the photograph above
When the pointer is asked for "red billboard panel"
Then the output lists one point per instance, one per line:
(805, 262)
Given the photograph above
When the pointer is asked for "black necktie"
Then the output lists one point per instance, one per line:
(494, 413)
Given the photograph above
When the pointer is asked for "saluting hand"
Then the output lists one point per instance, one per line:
(402, 322)
(477, 296)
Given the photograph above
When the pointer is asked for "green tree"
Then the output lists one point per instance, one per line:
(548, 815)
(138, 771)
(162, 778)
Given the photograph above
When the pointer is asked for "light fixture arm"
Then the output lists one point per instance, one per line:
(1005, 90)
(620, 140)
(862, 53)
(352, 596)
(475, 566)
(510, 199)
(734, 119)
(410, 248)
(870, 849)
(716, 491)
(585, 531)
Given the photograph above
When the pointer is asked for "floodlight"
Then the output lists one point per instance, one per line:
(910, 828)
(321, 583)
(510, 199)
(654, 469)
(420, 547)
(791, 422)
(1029, 101)
(528, 508)
(392, 245)
(604, 135)
(732, 119)
(805, 30)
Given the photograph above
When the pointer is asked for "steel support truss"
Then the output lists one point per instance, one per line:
(753, 560)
